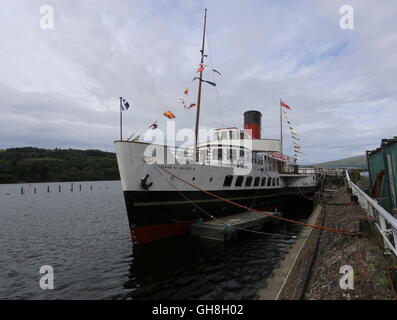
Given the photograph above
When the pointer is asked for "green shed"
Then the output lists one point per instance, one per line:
(382, 167)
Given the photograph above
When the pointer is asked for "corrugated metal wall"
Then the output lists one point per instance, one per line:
(391, 158)
(385, 159)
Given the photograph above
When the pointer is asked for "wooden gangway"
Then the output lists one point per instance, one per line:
(223, 229)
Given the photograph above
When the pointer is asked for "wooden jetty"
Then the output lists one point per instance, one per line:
(222, 229)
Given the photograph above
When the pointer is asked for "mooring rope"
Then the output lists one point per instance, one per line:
(334, 230)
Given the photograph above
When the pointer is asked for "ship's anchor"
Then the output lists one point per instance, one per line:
(144, 183)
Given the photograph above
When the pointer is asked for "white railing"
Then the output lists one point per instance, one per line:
(384, 221)
(339, 172)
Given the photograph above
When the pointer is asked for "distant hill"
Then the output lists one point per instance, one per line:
(355, 162)
(43, 165)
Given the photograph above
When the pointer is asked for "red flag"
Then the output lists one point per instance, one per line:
(283, 104)
(186, 91)
(201, 68)
(169, 115)
(191, 105)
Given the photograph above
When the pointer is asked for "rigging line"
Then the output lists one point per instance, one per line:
(214, 80)
(184, 196)
(159, 214)
(228, 225)
(256, 191)
(279, 235)
(335, 230)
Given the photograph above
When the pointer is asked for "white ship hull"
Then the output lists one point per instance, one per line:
(160, 205)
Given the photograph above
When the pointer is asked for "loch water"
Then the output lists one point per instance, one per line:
(83, 235)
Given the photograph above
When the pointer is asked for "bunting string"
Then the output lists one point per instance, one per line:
(296, 146)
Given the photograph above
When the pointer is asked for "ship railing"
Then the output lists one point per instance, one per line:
(308, 170)
(188, 156)
(384, 221)
(335, 172)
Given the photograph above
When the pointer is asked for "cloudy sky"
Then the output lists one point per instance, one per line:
(59, 87)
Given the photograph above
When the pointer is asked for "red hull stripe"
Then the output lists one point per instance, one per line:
(159, 231)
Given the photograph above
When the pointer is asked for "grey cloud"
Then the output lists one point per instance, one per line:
(61, 87)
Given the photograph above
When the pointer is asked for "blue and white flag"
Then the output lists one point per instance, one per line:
(124, 104)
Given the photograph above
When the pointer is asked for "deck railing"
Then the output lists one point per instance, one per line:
(384, 221)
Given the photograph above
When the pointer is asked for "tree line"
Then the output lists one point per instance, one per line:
(42, 165)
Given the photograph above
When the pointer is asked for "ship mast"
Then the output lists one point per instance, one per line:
(196, 131)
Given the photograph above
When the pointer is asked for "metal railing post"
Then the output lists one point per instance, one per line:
(382, 217)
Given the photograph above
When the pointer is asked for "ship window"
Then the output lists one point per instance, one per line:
(233, 153)
(228, 181)
(224, 135)
(242, 135)
(278, 181)
(220, 154)
(274, 182)
(256, 182)
(229, 154)
(203, 155)
(215, 154)
(241, 152)
(248, 182)
(269, 182)
(263, 181)
(239, 181)
(230, 134)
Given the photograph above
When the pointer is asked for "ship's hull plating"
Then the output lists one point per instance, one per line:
(167, 207)
(161, 214)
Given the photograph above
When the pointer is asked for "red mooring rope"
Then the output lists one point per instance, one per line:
(334, 230)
